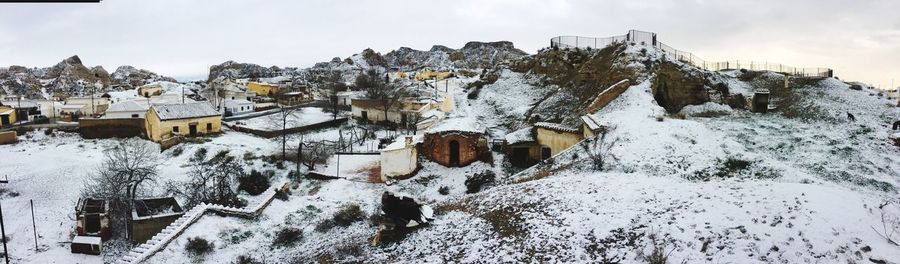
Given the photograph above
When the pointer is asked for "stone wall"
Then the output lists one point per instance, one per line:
(437, 147)
(143, 230)
(8, 137)
(608, 95)
(111, 128)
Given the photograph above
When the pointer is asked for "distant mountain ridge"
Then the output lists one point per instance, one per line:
(70, 77)
(473, 55)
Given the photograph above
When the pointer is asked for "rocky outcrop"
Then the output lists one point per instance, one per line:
(237, 70)
(70, 77)
(474, 55)
(675, 87)
(130, 77)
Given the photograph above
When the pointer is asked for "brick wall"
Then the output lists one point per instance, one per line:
(436, 147)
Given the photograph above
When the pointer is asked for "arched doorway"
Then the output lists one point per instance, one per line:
(454, 153)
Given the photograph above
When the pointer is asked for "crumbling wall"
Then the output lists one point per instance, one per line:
(111, 128)
(675, 87)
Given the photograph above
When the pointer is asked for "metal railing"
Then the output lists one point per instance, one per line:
(644, 38)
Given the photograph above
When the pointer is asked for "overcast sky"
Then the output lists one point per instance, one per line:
(859, 39)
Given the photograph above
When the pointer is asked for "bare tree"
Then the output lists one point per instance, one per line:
(598, 149)
(388, 94)
(282, 119)
(333, 82)
(123, 173)
(310, 153)
(211, 181)
(890, 223)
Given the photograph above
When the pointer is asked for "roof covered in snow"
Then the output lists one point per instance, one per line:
(183, 111)
(458, 124)
(129, 106)
(524, 135)
(237, 102)
(556, 127)
(400, 142)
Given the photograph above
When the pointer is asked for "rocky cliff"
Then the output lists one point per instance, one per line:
(70, 77)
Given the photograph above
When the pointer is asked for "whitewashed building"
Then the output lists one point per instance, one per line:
(237, 107)
(400, 158)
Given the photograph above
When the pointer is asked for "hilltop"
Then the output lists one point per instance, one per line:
(70, 77)
(693, 174)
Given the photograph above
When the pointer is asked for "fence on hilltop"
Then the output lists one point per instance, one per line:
(644, 38)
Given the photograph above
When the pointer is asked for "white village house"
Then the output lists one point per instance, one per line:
(239, 106)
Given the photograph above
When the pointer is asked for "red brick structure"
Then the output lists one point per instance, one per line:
(453, 148)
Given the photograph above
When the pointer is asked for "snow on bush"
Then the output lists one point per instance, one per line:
(709, 109)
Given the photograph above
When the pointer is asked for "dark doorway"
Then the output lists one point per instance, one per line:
(192, 130)
(545, 153)
(403, 120)
(92, 223)
(520, 157)
(4, 120)
(365, 115)
(454, 153)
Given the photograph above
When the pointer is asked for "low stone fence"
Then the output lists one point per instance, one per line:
(8, 137)
(275, 133)
(111, 128)
(159, 241)
(170, 142)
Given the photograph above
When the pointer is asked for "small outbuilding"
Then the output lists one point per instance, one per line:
(92, 218)
(522, 148)
(456, 142)
(165, 121)
(7, 116)
(150, 216)
(238, 107)
(400, 158)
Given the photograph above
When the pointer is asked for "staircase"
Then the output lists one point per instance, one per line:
(144, 251)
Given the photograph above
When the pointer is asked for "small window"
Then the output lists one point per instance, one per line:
(208, 127)
(175, 129)
(134, 115)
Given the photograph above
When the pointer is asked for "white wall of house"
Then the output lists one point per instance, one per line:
(237, 107)
(399, 160)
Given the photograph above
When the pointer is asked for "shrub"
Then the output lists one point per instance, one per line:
(348, 214)
(234, 235)
(48, 131)
(247, 259)
(255, 182)
(199, 155)
(177, 151)
(287, 236)
(444, 190)
(476, 181)
(198, 246)
(282, 195)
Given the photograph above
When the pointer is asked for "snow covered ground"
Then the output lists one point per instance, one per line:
(298, 118)
(738, 188)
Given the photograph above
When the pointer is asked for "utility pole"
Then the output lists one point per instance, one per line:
(33, 226)
(3, 234)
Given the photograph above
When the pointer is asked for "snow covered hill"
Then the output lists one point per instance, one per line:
(71, 78)
(690, 175)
